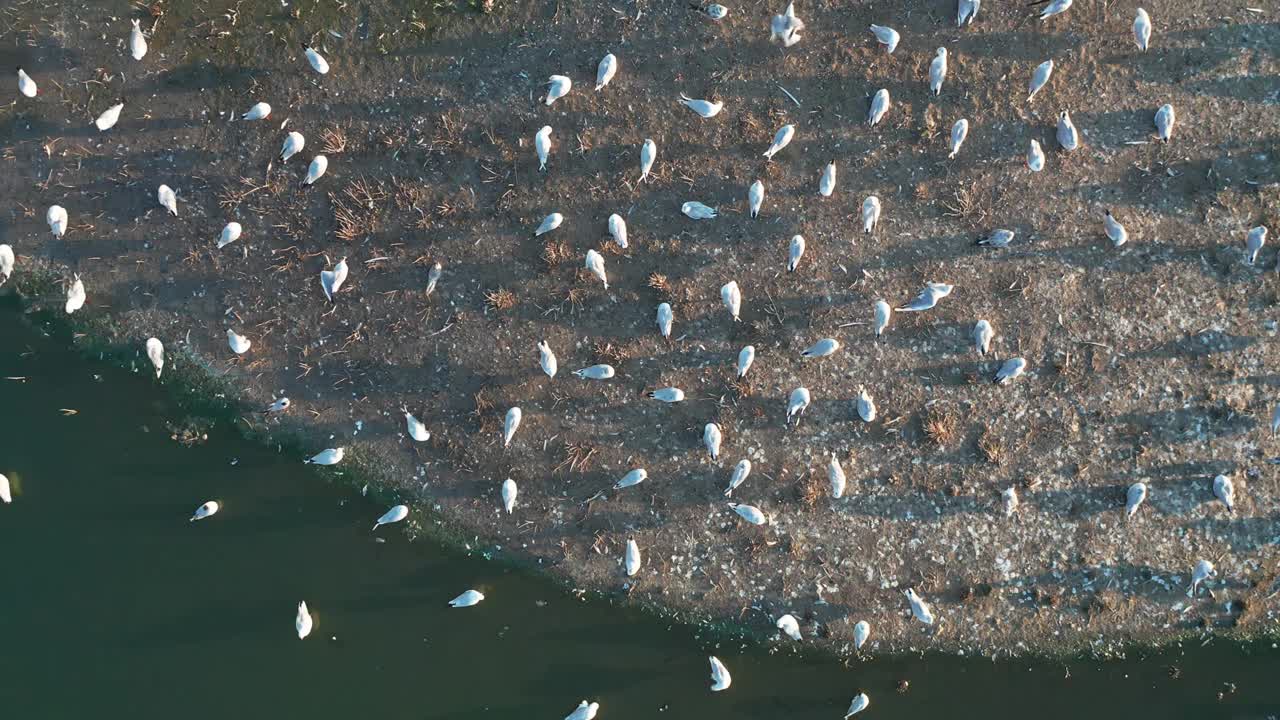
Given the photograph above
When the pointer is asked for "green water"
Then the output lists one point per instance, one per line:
(113, 605)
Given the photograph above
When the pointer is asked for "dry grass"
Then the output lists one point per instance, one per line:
(991, 447)
(967, 205)
(577, 457)
(609, 353)
(500, 299)
(333, 141)
(365, 193)
(941, 426)
(555, 252)
(350, 225)
(810, 489)
(659, 282)
(741, 387)
(483, 403)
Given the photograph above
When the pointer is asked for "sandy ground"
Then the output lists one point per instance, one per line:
(1150, 362)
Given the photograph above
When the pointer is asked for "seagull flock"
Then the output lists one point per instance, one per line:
(785, 29)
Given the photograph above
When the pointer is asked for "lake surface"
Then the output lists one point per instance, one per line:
(113, 605)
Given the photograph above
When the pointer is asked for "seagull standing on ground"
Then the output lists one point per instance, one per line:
(167, 199)
(1142, 29)
(928, 297)
(293, 144)
(238, 343)
(1254, 241)
(557, 87)
(230, 233)
(982, 335)
(785, 28)
(731, 296)
(755, 197)
(870, 214)
(109, 117)
(509, 492)
(919, 608)
(319, 165)
(711, 438)
(542, 145)
(886, 36)
(966, 11)
(1057, 7)
(745, 357)
(1039, 78)
(510, 424)
(959, 132)
(1035, 157)
(155, 353)
(795, 252)
(1115, 231)
(938, 71)
(1068, 138)
(797, 403)
(780, 140)
(1133, 499)
(605, 71)
(56, 216)
(547, 359)
(705, 108)
(316, 60)
(332, 456)
(26, 85)
(789, 626)
(331, 280)
(1164, 120)
(595, 265)
(259, 111)
(137, 41)
(740, 473)
(549, 223)
(879, 106)
(883, 313)
(1201, 572)
(416, 428)
(648, 153)
(1225, 491)
(835, 477)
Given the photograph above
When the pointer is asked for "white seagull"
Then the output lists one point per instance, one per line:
(167, 199)
(966, 11)
(1225, 491)
(883, 314)
(230, 233)
(416, 428)
(332, 456)
(835, 477)
(433, 277)
(797, 403)
(595, 372)
(510, 424)
(584, 711)
(1068, 138)
(293, 144)
(959, 132)
(6, 262)
(648, 153)
(56, 216)
(317, 62)
(665, 319)
(75, 295)
(1254, 241)
(667, 395)
(302, 622)
(109, 117)
(6, 495)
(822, 348)
(711, 438)
(755, 197)
(1009, 497)
(1010, 370)
(259, 111)
(870, 214)
(137, 41)
(605, 71)
(928, 297)
(999, 238)
(740, 473)
(1142, 29)
(1133, 499)
(204, 511)
(331, 280)
(717, 12)
(1057, 7)
(1035, 157)
(861, 702)
(982, 335)
(750, 513)
(542, 145)
(1115, 231)
(705, 108)
(467, 599)
(785, 28)
(919, 607)
(547, 359)
(549, 223)
(746, 356)
(1163, 121)
(938, 71)
(827, 182)
(618, 230)
(631, 479)
(277, 406)
(557, 87)
(886, 36)
(720, 678)
(781, 139)
(861, 631)
(1039, 78)
(595, 266)
(866, 406)
(731, 296)
(789, 626)
(26, 85)
(394, 515)
(879, 106)
(632, 558)
(155, 353)
(319, 165)
(509, 492)
(239, 344)
(1201, 572)
(697, 211)
(795, 252)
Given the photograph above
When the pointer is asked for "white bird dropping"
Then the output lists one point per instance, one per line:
(1010, 370)
(883, 314)
(6, 494)
(605, 71)
(293, 144)
(648, 153)
(302, 622)
(155, 353)
(56, 216)
(1133, 499)
(1115, 231)
(886, 36)
(1225, 491)
(595, 265)
(509, 492)
(1163, 121)
(631, 479)
(332, 456)
(6, 262)
(26, 85)
(705, 108)
(1142, 29)
(317, 61)
(1009, 499)
(785, 28)
(137, 41)
(259, 111)
(959, 132)
(879, 106)
(467, 599)
(1035, 157)
(795, 252)
(781, 139)
(999, 238)
(938, 71)
(870, 214)
(1039, 78)
(547, 359)
(1201, 572)
(731, 296)
(319, 165)
(204, 511)
(1253, 243)
(557, 87)
(510, 424)
(331, 280)
(618, 230)
(665, 318)
(632, 558)
(919, 608)
(740, 473)
(966, 11)
(167, 199)
(796, 404)
(789, 626)
(822, 348)
(750, 513)
(433, 277)
(755, 197)
(861, 702)
(982, 335)
(866, 406)
(109, 117)
(595, 372)
(928, 297)
(1057, 7)
(861, 631)
(1068, 138)
(549, 223)
(827, 183)
(720, 678)
(230, 233)
(416, 428)
(584, 711)
(835, 477)
(75, 295)
(394, 515)
(711, 438)
(697, 211)
(542, 145)
(746, 356)
(239, 344)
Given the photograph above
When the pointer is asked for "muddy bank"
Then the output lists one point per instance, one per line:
(1145, 363)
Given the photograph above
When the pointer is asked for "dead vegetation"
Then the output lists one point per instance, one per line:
(333, 140)
(941, 425)
(659, 282)
(500, 299)
(577, 457)
(991, 447)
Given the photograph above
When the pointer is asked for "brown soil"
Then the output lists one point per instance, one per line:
(1150, 362)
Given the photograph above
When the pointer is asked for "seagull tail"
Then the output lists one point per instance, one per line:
(376, 526)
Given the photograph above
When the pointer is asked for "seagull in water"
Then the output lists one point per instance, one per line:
(1253, 243)
(1035, 157)
(302, 622)
(317, 62)
(697, 211)
(1133, 499)
(467, 599)
(1115, 231)
(959, 132)
(595, 372)
(584, 711)
(509, 495)
(332, 456)
(731, 296)
(859, 703)
(75, 295)
(879, 106)
(595, 265)
(785, 28)
(822, 348)
(781, 139)
(618, 230)
(239, 344)
(542, 145)
(6, 262)
(109, 117)
(549, 223)
(331, 280)
(705, 108)
(1225, 491)
(886, 36)
(26, 85)
(1164, 120)
(204, 511)
(605, 71)
(982, 335)
(1057, 7)
(648, 153)
(966, 11)
(6, 494)
(795, 252)
(155, 353)
(1039, 78)
(319, 164)
(755, 197)
(230, 233)
(919, 608)
(938, 71)
(745, 357)
(547, 359)
(394, 515)
(137, 41)
(928, 297)
(740, 473)
(836, 477)
(711, 438)
(416, 428)
(797, 403)
(510, 424)
(1201, 572)
(1010, 370)
(1068, 138)
(259, 111)
(167, 199)
(720, 678)
(1142, 29)
(293, 144)
(56, 216)
(557, 87)
(789, 626)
